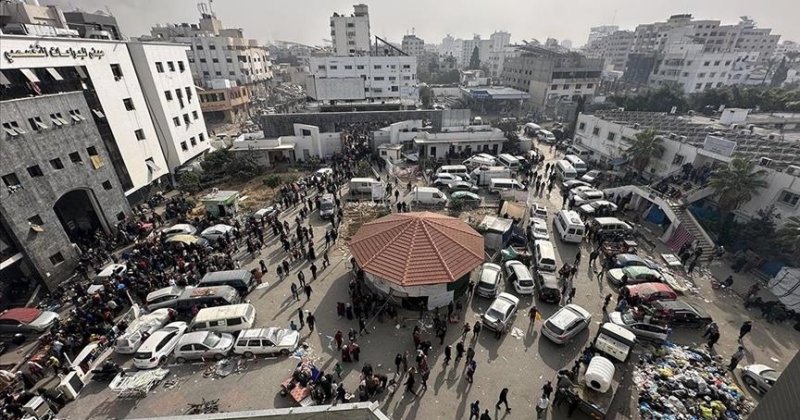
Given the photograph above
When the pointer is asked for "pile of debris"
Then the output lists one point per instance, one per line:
(356, 214)
(685, 382)
(204, 407)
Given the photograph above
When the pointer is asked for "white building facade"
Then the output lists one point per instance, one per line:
(361, 78)
(413, 45)
(350, 35)
(171, 95)
(694, 70)
(134, 146)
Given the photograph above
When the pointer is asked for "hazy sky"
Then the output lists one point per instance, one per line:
(307, 21)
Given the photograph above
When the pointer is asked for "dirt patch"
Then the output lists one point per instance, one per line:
(356, 214)
(256, 194)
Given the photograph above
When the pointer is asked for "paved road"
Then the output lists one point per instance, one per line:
(522, 364)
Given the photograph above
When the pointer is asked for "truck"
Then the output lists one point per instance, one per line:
(595, 390)
(483, 176)
(428, 196)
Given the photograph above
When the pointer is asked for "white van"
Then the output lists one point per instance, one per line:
(481, 159)
(362, 185)
(504, 184)
(565, 171)
(453, 169)
(484, 175)
(610, 225)
(546, 136)
(428, 196)
(508, 161)
(577, 163)
(569, 226)
(581, 153)
(326, 204)
(134, 335)
(228, 318)
(544, 256)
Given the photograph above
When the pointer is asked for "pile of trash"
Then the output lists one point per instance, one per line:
(684, 382)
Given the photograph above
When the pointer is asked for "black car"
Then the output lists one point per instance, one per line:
(680, 313)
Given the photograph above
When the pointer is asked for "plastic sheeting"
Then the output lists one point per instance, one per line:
(786, 287)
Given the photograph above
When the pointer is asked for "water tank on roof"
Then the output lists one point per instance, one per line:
(599, 374)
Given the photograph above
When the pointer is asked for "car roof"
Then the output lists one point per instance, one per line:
(648, 288)
(567, 315)
(182, 226)
(194, 337)
(549, 280)
(673, 305)
(504, 300)
(157, 336)
(635, 270)
(258, 332)
(166, 291)
(458, 194)
(519, 268)
(21, 315)
(110, 269)
(225, 311)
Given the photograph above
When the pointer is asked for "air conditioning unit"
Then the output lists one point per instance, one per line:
(71, 385)
(735, 126)
(683, 139)
(635, 126)
(793, 170)
(751, 127)
(765, 162)
(744, 132)
(673, 136)
(37, 408)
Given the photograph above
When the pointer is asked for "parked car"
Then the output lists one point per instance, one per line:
(634, 274)
(156, 298)
(322, 173)
(467, 197)
(157, 348)
(539, 211)
(203, 345)
(519, 276)
(537, 229)
(266, 212)
(566, 323)
(547, 287)
(462, 186)
(591, 176)
(215, 232)
(591, 208)
(648, 292)
(26, 320)
(501, 312)
(491, 277)
(642, 329)
(178, 229)
(628, 260)
(266, 341)
(759, 377)
(587, 196)
(681, 313)
(574, 183)
(445, 179)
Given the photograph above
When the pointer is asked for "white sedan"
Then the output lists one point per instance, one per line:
(215, 232)
(590, 176)
(445, 179)
(586, 197)
(179, 229)
(203, 345)
(579, 189)
(155, 350)
(592, 207)
(500, 313)
(539, 211)
(759, 377)
(641, 328)
(538, 230)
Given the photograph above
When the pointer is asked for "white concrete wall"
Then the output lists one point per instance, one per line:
(358, 42)
(179, 143)
(110, 92)
(779, 183)
(255, 66)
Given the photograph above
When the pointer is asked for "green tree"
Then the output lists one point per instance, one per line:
(789, 235)
(734, 185)
(475, 60)
(645, 146)
(189, 181)
(426, 96)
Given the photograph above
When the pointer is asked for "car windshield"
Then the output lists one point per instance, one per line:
(552, 327)
(493, 313)
(540, 230)
(627, 318)
(211, 340)
(143, 355)
(526, 283)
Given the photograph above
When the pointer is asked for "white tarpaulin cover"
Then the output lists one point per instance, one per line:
(786, 287)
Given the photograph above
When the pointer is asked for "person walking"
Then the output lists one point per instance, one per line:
(547, 389)
(470, 354)
(476, 330)
(710, 329)
(398, 359)
(736, 358)
(578, 258)
(311, 320)
(338, 337)
(302, 278)
(295, 294)
(466, 331)
(691, 266)
(424, 375)
(532, 314)
(300, 316)
(459, 351)
(313, 269)
(308, 291)
(572, 292)
(448, 353)
(362, 326)
(745, 329)
(541, 407)
(475, 410)
(410, 381)
(592, 257)
(471, 367)
(338, 369)
(503, 400)
(485, 416)
(712, 339)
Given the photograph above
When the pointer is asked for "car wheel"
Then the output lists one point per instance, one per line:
(248, 355)
(218, 356)
(180, 360)
(285, 352)
(161, 360)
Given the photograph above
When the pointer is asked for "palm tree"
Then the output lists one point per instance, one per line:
(646, 146)
(735, 184)
(789, 234)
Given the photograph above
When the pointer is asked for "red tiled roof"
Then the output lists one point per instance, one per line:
(22, 315)
(413, 249)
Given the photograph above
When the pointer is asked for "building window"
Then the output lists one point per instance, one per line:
(377, 67)
(321, 67)
(596, 131)
(36, 124)
(107, 185)
(789, 198)
(212, 47)
(116, 70)
(698, 86)
(678, 159)
(186, 119)
(359, 67)
(57, 119)
(231, 73)
(199, 47)
(56, 259)
(201, 136)
(176, 121)
(35, 171)
(406, 66)
(202, 60)
(578, 86)
(229, 60)
(56, 164)
(378, 78)
(139, 134)
(195, 115)
(36, 220)
(215, 60)
(76, 116)
(75, 157)
(171, 66)
(92, 151)
(181, 66)
(184, 147)
(128, 104)
(716, 63)
(333, 67)
(706, 64)
(611, 136)
(590, 86)
(11, 180)
(168, 94)
(582, 126)
(348, 67)
(159, 67)
(193, 141)
(218, 73)
(188, 94)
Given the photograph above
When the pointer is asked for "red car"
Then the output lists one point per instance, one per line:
(648, 292)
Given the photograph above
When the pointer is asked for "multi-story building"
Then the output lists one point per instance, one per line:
(96, 25)
(218, 53)
(692, 70)
(498, 57)
(462, 49)
(413, 45)
(598, 32)
(350, 34)
(613, 48)
(552, 76)
(363, 79)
